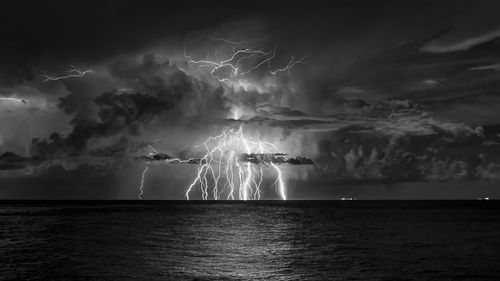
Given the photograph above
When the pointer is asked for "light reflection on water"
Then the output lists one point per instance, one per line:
(249, 241)
(228, 245)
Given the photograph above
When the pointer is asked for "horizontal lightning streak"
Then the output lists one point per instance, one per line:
(73, 71)
(13, 99)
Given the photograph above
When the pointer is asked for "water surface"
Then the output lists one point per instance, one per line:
(270, 240)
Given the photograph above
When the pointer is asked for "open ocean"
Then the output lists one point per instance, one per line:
(266, 240)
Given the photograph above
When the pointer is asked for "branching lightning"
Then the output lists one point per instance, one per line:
(232, 166)
(243, 52)
(223, 174)
(220, 171)
(289, 65)
(73, 71)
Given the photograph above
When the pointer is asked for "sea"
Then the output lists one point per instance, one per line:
(262, 240)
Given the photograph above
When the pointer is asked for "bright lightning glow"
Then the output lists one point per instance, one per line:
(242, 60)
(233, 62)
(141, 188)
(13, 99)
(142, 182)
(73, 71)
(221, 172)
(279, 180)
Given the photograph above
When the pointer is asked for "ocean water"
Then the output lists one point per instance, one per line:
(269, 240)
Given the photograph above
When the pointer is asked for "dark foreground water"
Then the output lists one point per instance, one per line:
(328, 240)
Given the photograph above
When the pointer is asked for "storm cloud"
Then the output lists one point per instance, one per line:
(365, 91)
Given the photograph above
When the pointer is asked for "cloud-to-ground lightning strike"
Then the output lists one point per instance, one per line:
(144, 172)
(221, 168)
(229, 168)
(73, 71)
(141, 188)
(232, 166)
(242, 51)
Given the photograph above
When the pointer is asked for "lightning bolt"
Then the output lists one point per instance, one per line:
(73, 71)
(146, 168)
(279, 181)
(289, 65)
(141, 188)
(220, 167)
(221, 175)
(242, 52)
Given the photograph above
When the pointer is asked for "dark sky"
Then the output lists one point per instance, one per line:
(389, 99)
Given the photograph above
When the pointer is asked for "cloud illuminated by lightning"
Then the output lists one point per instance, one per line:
(73, 71)
(222, 171)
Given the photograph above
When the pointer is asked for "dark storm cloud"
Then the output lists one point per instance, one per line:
(118, 113)
(254, 158)
(103, 127)
(365, 157)
(390, 142)
(391, 118)
(391, 91)
(12, 161)
(279, 158)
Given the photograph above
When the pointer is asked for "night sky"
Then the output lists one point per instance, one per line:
(389, 99)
